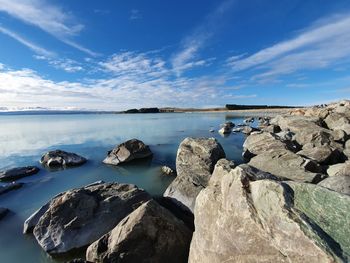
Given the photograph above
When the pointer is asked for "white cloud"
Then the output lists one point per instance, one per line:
(135, 14)
(65, 64)
(37, 49)
(320, 46)
(48, 17)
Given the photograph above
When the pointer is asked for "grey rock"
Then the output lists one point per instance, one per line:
(78, 217)
(149, 234)
(255, 174)
(323, 154)
(339, 169)
(288, 165)
(339, 135)
(167, 171)
(272, 129)
(241, 221)
(59, 158)
(128, 151)
(248, 130)
(10, 187)
(340, 184)
(195, 161)
(3, 212)
(17, 173)
(336, 121)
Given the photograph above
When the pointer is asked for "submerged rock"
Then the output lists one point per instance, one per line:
(340, 184)
(3, 212)
(17, 173)
(78, 217)
(128, 151)
(167, 171)
(10, 187)
(149, 234)
(59, 158)
(237, 220)
(195, 161)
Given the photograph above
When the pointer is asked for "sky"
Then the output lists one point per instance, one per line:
(116, 55)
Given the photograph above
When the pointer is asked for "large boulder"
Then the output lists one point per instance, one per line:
(59, 158)
(340, 184)
(128, 151)
(149, 234)
(339, 169)
(78, 217)
(288, 165)
(195, 161)
(323, 154)
(17, 173)
(237, 220)
(338, 121)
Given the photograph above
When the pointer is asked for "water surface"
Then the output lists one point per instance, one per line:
(24, 138)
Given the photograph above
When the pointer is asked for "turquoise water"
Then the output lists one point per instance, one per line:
(24, 138)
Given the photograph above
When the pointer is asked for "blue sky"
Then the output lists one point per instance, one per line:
(114, 55)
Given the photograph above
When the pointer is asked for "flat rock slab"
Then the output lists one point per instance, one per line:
(17, 173)
(3, 212)
(237, 220)
(128, 151)
(149, 234)
(78, 217)
(59, 158)
(10, 187)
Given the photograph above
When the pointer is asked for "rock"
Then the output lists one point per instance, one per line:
(339, 135)
(229, 124)
(58, 158)
(247, 120)
(149, 234)
(3, 212)
(248, 130)
(167, 171)
(195, 161)
(241, 221)
(17, 173)
(78, 217)
(339, 169)
(336, 121)
(323, 154)
(78, 260)
(327, 209)
(288, 165)
(225, 130)
(340, 184)
(271, 128)
(10, 187)
(128, 151)
(239, 129)
(260, 143)
(255, 174)
(285, 135)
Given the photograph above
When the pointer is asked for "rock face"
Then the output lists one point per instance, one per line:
(128, 151)
(288, 165)
(339, 169)
(323, 154)
(149, 234)
(17, 173)
(58, 158)
(9, 187)
(78, 217)
(3, 212)
(195, 162)
(340, 184)
(237, 220)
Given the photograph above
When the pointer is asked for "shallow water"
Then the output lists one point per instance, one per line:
(24, 138)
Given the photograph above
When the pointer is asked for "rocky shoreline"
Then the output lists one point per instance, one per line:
(290, 201)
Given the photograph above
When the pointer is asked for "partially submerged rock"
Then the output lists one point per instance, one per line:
(149, 234)
(59, 158)
(10, 187)
(128, 151)
(78, 217)
(167, 171)
(288, 165)
(17, 173)
(3, 212)
(241, 221)
(195, 161)
(340, 184)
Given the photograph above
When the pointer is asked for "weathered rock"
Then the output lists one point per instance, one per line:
(288, 165)
(225, 130)
(248, 130)
(339, 135)
(241, 221)
(340, 184)
(229, 124)
(58, 158)
(272, 129)
(195, 161)
(322, 154)
(149, 234)
(128, 151)
(255, 174)
(285, 135)
(10, 187)
(78, 217)
(339, 169)
(336, 121)
(3, 212)
(327, 209)
(167, 171)
(17, 173)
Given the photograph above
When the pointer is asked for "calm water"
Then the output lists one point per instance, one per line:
(24, 138)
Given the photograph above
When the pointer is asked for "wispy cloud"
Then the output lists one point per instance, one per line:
(65, 64)
(135, 14)
(323, 44)
(187, 57)
(48, 17)
(37, 49)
